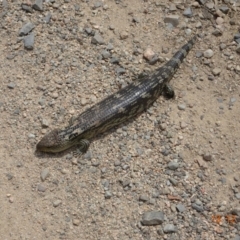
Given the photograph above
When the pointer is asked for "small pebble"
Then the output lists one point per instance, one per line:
(27, 28)
(41, 188)
(38, 5)
(11, 85)
(108, 195)
(123, 35)
(173, 165)
(208, 53)
(181, 106)
(56, 203)
(237, 195)
(97, 39)
(143, 198)
(29, 41)
(238, 48)
(224, 9)
(219, 20)
(45, 123)
(47, 18)
(76, 222)
(216, 71)
(207, 157)
(180, 207)
(172, 19)
(148, 54)
(44, 174)
(152, 218)
(188, 12)
(169, 228)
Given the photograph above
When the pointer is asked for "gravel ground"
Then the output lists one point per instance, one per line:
(171, 173)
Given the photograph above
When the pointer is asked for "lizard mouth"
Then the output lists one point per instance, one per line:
(49, 143)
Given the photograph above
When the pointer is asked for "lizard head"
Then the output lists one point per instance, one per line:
(51, 142)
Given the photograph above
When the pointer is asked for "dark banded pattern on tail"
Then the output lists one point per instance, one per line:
(166, 72)
(178, 57)
(115, 109)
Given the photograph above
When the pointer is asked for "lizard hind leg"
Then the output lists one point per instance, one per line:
(168, 91)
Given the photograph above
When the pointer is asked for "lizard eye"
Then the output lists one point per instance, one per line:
(72, 136)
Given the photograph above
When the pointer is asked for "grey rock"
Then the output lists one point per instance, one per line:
(207, 157)
(172, 7)
(237, 237)
(30, 135)
(169, 228)
(155, 193)
(188, 12)
(173, 165)
(11, 56)
(109, 47)
(105, 184)
(236, 211)
(97, 5)
(181, 106)
(26, 8)
(208, 53)
(224, 9)
(188, 31)
(136, 19)
(108, 195)
(27, 28)
(154, 59)
(217, 32)
(120, 70)
(236, 36)
(29, 41)
(105, 54)
(237, 40)
(41, 102)
(56, 203)
(173, 181)
(238, 48)
(117, 163)
(87, 155)
(45, 123)
(222, 46)
(198, 202)
(11, 85)
(41, 188)
(152, 218)
(47, 18)
(237, 195)
(198, 24)
(197, 207)
(143, 198)
(126, 182)
(93, 169)
(199, 54)
(38, 5)
(211, 77)
(9, 176)
(180, 207)
(97, 39)
(88, 30)
(115, 60)
(216, 71)
(44, 174)
(172, 19)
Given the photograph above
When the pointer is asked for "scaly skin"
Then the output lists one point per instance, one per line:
(115, 109)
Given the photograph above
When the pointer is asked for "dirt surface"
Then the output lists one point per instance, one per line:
(180, 158)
